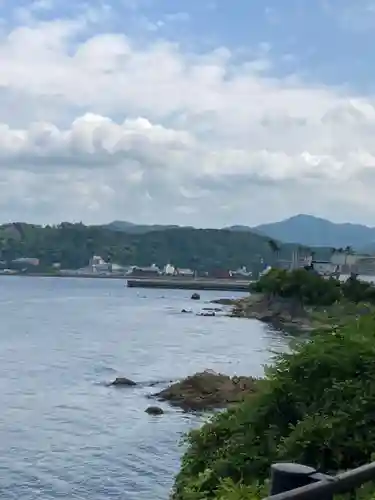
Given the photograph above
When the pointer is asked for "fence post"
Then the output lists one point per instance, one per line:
(289, 476)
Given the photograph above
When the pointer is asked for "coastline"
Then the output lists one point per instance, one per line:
(290, 315)
(284, 314)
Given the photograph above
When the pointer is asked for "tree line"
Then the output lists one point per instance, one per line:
(72, 245)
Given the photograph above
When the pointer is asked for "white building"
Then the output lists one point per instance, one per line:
(345, 258)
(366, 265)
(352, 262)
(98, 265)
(326, 268)
(28, 261)
(185, 272)
(169, 270)
(241, 272)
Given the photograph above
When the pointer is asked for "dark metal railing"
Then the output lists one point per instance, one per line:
(299, 482)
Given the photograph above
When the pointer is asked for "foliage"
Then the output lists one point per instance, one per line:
(317, 407)
(275, 248)
(312, 289)
(72, 245)
(358, 291)
(307, 286)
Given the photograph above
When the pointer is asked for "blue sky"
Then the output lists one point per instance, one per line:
(323, 40)
(161, 110)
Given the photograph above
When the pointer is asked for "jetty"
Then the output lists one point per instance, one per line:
(225, 285)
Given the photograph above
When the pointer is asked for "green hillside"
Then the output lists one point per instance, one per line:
(72, 245)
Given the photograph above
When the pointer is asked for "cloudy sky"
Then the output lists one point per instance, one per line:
(203, 112)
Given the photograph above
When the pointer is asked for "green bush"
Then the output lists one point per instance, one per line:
(302, 284)
(316, 407)
(312, 289)
(357, 291)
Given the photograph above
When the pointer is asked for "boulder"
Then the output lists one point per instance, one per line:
(123, 382)
(208, 390)
(154, 410)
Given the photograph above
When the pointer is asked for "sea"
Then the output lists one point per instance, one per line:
(64, 432)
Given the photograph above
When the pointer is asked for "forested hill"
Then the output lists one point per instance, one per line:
(72, 245)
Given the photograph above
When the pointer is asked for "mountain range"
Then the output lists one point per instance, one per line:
(315, 231)
(303, 229)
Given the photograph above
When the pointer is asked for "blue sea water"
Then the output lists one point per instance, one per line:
(63, 432)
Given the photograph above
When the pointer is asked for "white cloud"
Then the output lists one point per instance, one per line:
(91, 141)
(102, 128)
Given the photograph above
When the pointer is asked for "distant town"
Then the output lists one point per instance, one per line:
(98, 267)
(340, 262)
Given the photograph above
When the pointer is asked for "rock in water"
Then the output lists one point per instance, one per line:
(123, 382)
(195, 296)
(208, 390)
(154, 410)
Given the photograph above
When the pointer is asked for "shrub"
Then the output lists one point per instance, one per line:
(357, 291)
(304, 285)
(316, 407)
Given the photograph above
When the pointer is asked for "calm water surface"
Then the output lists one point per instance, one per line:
(63, 432)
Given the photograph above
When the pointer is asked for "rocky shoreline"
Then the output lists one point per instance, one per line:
(204, 391)
(284, 314)
(208, 390)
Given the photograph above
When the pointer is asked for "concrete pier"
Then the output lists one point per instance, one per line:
(229, 285)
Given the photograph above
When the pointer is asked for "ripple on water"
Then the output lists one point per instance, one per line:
(64, 432)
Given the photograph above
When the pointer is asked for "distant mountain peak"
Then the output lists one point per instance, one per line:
(314, 231)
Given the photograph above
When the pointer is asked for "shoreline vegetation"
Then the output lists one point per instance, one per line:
(315, 405)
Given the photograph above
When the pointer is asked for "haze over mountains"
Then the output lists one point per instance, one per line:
(304, 229)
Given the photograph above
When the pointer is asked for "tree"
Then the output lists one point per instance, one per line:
(300, 285)
(275, 249)
(348, 251)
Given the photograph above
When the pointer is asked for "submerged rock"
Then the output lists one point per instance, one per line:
(123, 382)
(208, 390)
(154, 410)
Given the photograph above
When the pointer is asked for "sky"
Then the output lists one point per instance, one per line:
(192, 112)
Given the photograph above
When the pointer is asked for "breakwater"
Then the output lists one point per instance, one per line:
(190, 284)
